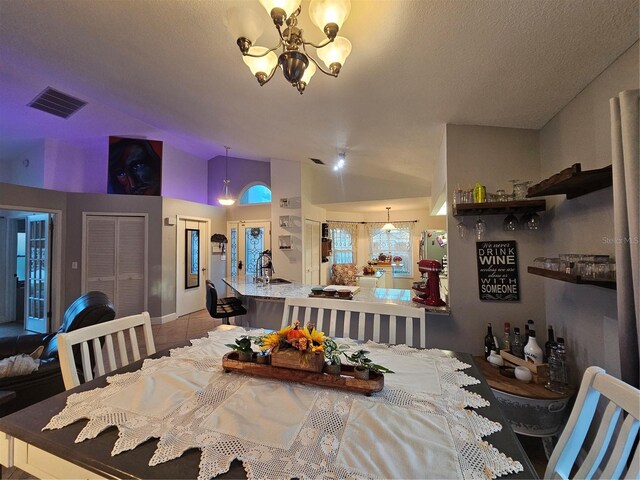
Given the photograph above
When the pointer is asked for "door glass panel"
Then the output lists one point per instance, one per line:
(37, 303)
(254, 246)
(234, 252)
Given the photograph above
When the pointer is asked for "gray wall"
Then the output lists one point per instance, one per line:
(580, 132)
(78, 203)
(491, 156)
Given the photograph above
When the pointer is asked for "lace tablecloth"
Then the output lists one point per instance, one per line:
(416, 427)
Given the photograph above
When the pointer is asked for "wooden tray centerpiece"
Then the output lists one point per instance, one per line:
(298, 355)
(344, 381)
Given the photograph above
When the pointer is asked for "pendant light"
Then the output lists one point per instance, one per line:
(226, 199)
(387, 227)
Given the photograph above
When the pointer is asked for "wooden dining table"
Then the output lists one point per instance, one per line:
(54, 453)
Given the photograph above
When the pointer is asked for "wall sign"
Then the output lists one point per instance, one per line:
(498, 271)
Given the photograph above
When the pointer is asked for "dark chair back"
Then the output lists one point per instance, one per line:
(212, 298)
(89, 309)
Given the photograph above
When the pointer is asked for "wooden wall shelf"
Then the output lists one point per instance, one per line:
(573, 182)
(567, 277)
(499, 208)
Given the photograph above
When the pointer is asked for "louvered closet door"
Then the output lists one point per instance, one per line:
(101, 255)
(130, 265)
(115, 261)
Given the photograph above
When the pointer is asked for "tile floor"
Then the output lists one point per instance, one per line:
(197, 324)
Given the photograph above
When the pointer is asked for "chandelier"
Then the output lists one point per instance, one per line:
(297, 65)
(387, 227)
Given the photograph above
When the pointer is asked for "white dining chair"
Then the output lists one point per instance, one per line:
(359, 320)
(98, 335)
(608, 454)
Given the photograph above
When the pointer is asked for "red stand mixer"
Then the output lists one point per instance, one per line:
(428, 293)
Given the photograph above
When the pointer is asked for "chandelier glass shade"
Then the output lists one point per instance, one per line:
(294, 58)
(387, 227)
(226, 198)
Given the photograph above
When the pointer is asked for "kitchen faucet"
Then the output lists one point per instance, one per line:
(264, 269)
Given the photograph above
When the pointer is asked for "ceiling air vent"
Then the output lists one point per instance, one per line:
(57, 103)
(317, 161)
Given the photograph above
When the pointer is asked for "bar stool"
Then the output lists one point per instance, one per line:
(223, 308)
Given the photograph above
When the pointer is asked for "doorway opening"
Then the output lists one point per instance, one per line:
(30, 250)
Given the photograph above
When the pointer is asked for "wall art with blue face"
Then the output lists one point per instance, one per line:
(135, 166)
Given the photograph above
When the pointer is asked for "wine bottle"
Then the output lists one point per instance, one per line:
(549, 343)
(532, 351)
(517, 348)
(488, 341)
(506, 339)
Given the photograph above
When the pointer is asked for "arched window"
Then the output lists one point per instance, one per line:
(256, 194)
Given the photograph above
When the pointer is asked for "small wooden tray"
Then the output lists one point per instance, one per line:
(344, 381)
(539, 371)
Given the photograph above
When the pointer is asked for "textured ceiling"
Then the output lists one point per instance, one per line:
(169, 69)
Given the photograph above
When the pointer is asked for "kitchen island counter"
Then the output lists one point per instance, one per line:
(245, 287)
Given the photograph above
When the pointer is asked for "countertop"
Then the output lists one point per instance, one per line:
(245, 287)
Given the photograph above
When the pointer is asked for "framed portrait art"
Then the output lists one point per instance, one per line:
(135, 166)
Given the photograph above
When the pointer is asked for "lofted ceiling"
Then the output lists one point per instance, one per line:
(168, 69)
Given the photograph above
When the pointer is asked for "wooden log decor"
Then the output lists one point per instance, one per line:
(344, 381)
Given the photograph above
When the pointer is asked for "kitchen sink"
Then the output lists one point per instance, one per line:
(275, 281)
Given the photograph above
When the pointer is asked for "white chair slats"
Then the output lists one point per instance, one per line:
(608, 455)
(90, 337)
(359, 320)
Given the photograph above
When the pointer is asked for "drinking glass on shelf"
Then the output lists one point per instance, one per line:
(510, 223)
(480, 229)
(501, 195)
(520, 190)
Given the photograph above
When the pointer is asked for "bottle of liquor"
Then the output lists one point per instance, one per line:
(488, 342)
(550, 341)
(506, 339)
(517, 347)
(528, 326)
(532, 351)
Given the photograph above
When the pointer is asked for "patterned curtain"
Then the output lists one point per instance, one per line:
(344, 239)
(397, 242)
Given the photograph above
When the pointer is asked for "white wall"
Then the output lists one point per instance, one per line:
(184, 176)
(580, 132)
(23, 164)
(71, 168)
(491, 156)
(286, 182)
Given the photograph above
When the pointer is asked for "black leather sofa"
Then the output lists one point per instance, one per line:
(89, 309)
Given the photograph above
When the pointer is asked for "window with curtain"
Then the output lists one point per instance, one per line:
(344, 237)
(396, 243)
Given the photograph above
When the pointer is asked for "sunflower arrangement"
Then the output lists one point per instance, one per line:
(306, 340)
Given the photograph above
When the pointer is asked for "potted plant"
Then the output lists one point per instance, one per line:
(363, 365)
(332, 354)
(243, 347)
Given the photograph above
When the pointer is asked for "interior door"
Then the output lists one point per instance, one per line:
(114, 260)
(192, 256)
(312, 252)
(251, 239)
(36, 312)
